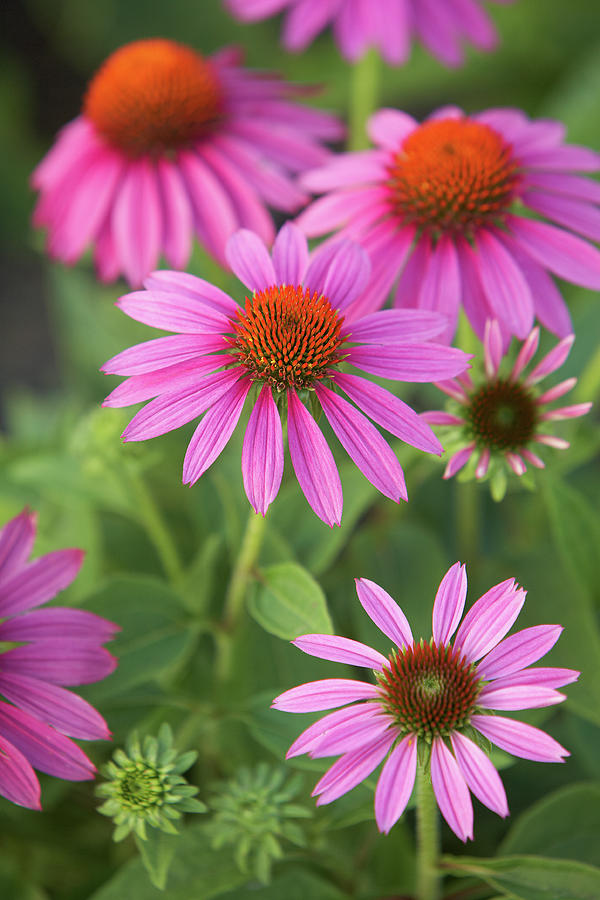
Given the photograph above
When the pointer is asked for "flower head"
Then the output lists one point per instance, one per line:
(442, 26)
(438, 204)
(41, 650)
(287, 342)
(168, 144)
(431, 700)
(496, 419)
(144, 786)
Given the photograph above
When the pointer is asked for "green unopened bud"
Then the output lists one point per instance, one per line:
(144, 786)
(253, 812)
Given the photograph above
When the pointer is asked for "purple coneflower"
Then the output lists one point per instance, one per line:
(292, 343)
(41, 650)
(169, 144)
(442, 26)
(496, 419)
(431, 701)
(438, 205)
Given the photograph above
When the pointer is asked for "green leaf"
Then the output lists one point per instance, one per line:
(157, 853)
(565, 825)
(293, 885)
(288, 602)
(576, 529)
(531, 877)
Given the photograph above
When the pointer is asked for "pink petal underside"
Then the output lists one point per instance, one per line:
(56, 621)
(492, 343)
(566, 255)
(214, 431)
(391, 30)
(561, 159)
(389, 127)
(475, 302)
(17, 779)
(351, 29)
(340, 649)
(384, 612)
(106, 259)
(213, 210)
(325, 694)
(349, 736)
(364, 444)
(477, 25)
(413, 274)
(389, 411)
(419, 362)
(262, 453)
(556, 391)
(340, 273)
(440, 289)
(39, 581)
(395, 784)
(449, 603)
(391, 326)
(248, 257)
(388, 247)
(526, 353)
(175, 409)
(312, 735)
(173, 312)
(280, 143)
(572, 186)
(347, 170)
(439, 417)
(304, 21)
(137, 221)
(519, 739)
(504, 284)
(518, 650)
(479, 773)
(74, 139)
(436, 30)
(566, 412)
(542, 676)
(458, 460)
(60, 661)
(180, 377)
(65, 711)
(352, 768)
(194, 288)
(16, 543)
(518, 696)
(290, 255)
(583, 218)
(552, 360)
(313, 463)
(178, 217)
(477, 619)
(451, 791)
(162, 352)
(44, 747)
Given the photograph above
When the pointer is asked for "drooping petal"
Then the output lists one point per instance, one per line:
(396, 783)
(312, 735)
(325, 694)
(519, 739)
(137, 221)
(449, 603)
(178, 219)
(39, 581)
(16, 543)
(347, 737)
(214, 431)
(340, 649)
(60, 661)
(518, 650)
(65, 711)
(351, 769)
(17, 779)
(563, 253)
(262, 453)
(479, 773)
(384, 612)
(505, 285)
(56, 621)
(451, 791)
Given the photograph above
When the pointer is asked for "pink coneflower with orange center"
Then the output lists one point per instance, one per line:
(438, 208)
(431, 701)
(289, 347)
(170, 144)
(390, 26)
(496, 419)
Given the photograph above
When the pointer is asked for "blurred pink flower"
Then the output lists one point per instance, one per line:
(497, 418)
(169, 144)
(438, 205)
(288, 341)
(442, 26)
(437, 698)
(53, 647)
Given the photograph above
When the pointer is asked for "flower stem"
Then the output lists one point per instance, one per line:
(364, 90)
(247, 557)
(428, 838)
(156, 529)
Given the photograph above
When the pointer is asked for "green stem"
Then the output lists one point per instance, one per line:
(364, 90)
(156, 529)
(247, 557)
(468, 520)
(428, 838)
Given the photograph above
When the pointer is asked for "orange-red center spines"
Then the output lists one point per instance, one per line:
(453, 175)
(153, 96)
(287, 336)
(430, 690)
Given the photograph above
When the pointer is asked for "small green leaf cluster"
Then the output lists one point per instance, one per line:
(252, 812)
(144, 786)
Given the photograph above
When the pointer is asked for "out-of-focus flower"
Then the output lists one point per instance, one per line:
(496, 419)
(169, 144)
(432, 701)
(442, 26)
(289, 341)
(254, 813)
(40, 651)
(441, 205)
(144, 786)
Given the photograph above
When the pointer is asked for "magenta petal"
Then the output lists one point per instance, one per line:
(384, 612)
(214, 214)
(396, 783)
(344, 278)
(325, 694)
(312, 735)
(56, 621)
(178, 218)
(458, 460)
(518, 696)
(364, 444)
(202, 292)
(389, 127)
(262, 453)
(161, 353)
(505, 285)
(519, 739)
(349, 736)
(17, 779)
(410, 362)
(313, 463)
(492, 343)
(60, 661)
(173, 382)
(449, 603)
(46, 749)
(248, 257)
(137, 221)
(390, 326)
(488, 620)
(65, 711)
(340, 649)
(563, 253)
(479, 773)
(173, 311)
(440, 288)
(290, 255)
(552, 360)
(518, 650)
(16, 543)
(351, 769)
(39, 581)
(214, 431)
(451, 791)
(543, 676)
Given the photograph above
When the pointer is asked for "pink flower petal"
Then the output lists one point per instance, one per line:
(526, 353)
(56, 621)
(518, 650)
(389, 127)
(17, 779)
(340, 649)
(347, 737)
(172, 312)
(339, 272)
(290, 255)
(346, 170)
(384, 612)
(440, 289)
(488, 621)
(458, 460)
(262, 453)
(479, 773)
(390, 326)
(492, 345)
(451, 791)
(60, 661)
(566, 255)
(39, 581)
(178, 218)
(351, 769)
(396, 783)
(504, 284)
(172, 381)
(542, 676)
(580, 217)
(312, 735)
(519, 739)
(449, 603)
(214, 213)
(248, 257)
(552, 360)
(16, 543)
(137, 221)
(325, 694)
(410, 362)
(214, 431)
(160, 353)
(65, 711)
(202, 292)
(528, 696)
